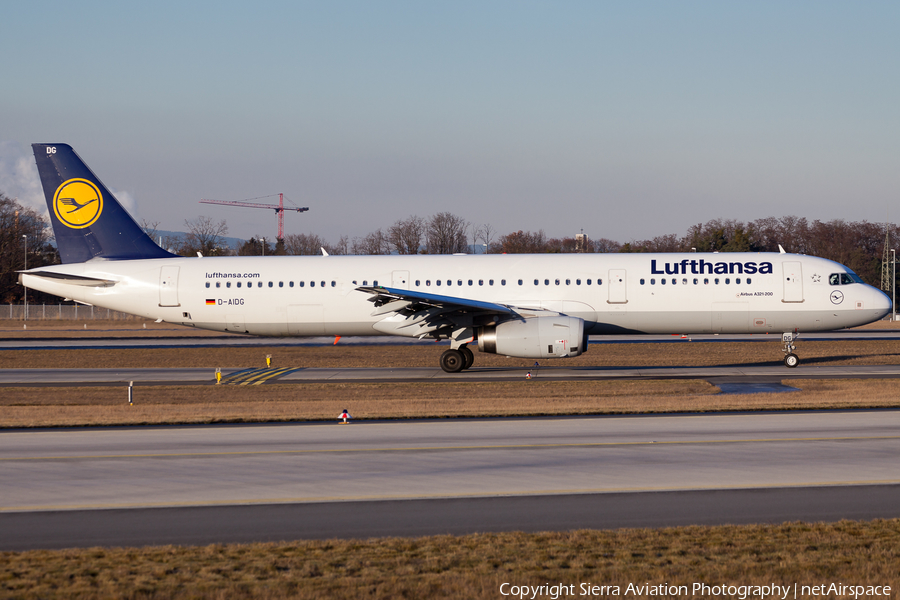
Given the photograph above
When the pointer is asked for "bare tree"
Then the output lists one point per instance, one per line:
(406, 235)
(446, 234)
(22, 232)
(374, 243)
(341, 248)
(605, 245)
(486, 233)
(299, 244)
(523, 242)
(205, 236)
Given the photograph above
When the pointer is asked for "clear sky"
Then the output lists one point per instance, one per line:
(625, 119)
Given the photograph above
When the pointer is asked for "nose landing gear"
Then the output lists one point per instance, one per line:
(791, 360)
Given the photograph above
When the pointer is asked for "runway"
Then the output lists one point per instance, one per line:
(110, 486)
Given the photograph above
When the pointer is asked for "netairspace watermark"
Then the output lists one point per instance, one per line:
(797, 591)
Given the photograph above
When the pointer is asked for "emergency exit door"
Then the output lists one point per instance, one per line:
(168, 286)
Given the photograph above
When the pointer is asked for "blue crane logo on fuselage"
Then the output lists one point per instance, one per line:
(77, 203)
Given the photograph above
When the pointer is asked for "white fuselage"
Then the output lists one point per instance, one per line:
(613, 293)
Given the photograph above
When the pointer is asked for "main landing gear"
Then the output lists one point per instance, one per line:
(791, 360)
(456, 360)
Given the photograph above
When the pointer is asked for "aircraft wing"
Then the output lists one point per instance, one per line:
(388, 300)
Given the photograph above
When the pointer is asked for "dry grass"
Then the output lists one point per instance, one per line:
(471, 566)
(51, 407)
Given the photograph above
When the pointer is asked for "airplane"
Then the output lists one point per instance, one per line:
(519, 305)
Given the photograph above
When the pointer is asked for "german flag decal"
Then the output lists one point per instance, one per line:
(210, 302)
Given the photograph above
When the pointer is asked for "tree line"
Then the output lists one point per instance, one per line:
(24, 233)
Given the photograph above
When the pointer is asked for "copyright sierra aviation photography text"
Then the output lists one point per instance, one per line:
(738, 591)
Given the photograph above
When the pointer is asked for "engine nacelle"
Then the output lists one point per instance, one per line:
(537, 337)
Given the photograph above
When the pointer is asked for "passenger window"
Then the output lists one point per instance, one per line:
(375, 283)
(502, 282)
(459, 282)
(727, 280)
(490, 282)
(228, 284)
(695, 281)
(599, 282)
(449, 282)
(716, 280)
(365, 282)
(748, 281)
(577, 282)
(311, 284)
(589, 282)
(642, 282)
(218, 284)
(738, 281)
(674, 281)
(470, 282)
(556, 282)
(322, 284)
(301, 283)
(290, 284)
(684, 281)
(520, 282)
(653, 281)
(437, 282)
(535, 282)
(706, 281)
(428, 282)
(481, 282)
(333, 283)
(281, 284)
(546, 282)
(417, 283)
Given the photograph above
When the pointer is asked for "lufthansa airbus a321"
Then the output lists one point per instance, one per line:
(521, 305)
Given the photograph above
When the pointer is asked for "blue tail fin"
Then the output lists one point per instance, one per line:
(87, 219)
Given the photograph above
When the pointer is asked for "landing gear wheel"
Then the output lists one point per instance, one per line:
(452, 361)
(791, 360)
(468, 356)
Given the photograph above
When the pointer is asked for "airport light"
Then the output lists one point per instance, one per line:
(25, 248)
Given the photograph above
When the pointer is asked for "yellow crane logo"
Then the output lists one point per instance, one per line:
(77, 203)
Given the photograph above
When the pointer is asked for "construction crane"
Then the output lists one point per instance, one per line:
(278, 208)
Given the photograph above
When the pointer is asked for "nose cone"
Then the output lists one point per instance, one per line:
(878, 303)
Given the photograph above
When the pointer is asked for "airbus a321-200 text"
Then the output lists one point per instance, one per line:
(521, 305)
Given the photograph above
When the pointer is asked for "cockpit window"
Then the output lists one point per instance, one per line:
(843, 278)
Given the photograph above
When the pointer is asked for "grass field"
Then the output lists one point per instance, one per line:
(473, 566)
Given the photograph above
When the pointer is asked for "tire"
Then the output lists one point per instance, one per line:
(468, 356)
(791, 360)
(452, 361)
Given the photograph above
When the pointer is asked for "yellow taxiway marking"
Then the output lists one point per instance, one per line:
(254, 376)
(447, 448)
(489, 494)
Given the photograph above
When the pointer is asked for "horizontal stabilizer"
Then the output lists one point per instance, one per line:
(69, 279)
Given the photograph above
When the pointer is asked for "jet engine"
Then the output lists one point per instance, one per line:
(537, 337)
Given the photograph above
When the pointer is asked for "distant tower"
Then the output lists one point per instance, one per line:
(886, 259)
(581, 242)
